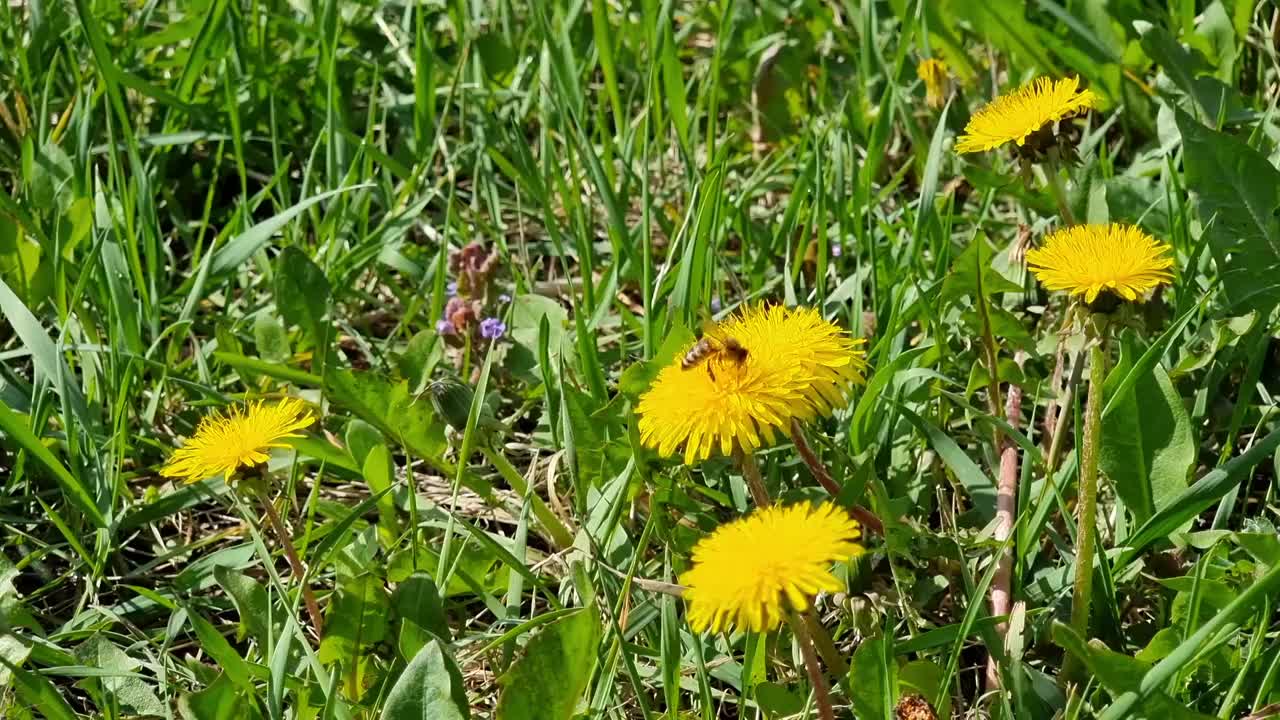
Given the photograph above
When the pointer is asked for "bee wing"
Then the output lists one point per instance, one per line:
(711, 331)
(710, 328)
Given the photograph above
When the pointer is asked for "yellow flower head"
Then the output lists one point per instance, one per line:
(749, 571)
(797, 365)
(224, 442)
(1015, 116)
(937, 83)
(1088, 259)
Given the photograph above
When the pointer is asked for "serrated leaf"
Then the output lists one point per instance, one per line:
(403, 418)
(1119, 674)
(548, 680)
(1238, 197)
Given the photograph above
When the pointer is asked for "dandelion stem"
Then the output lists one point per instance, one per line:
(1006, 506)
(295, 562)
(751, 473)
(865, 517)
(1087, 503)
(821, 693)
(826, 647)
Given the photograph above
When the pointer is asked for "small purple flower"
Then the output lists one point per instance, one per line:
(451, 289)
(504, 298)
(492, 328)
(444, 327)
(836, 250)
(715, 305)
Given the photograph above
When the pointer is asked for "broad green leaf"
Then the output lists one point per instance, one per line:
(962, 279)
(122, 684)
(874, 678)
(302, 293)
(418, 605)
(430, 688)
(1196, 499)
(212, 642)
(218, 701)
(271, 338)
(925, 678)
(1238, 195)
(548, 680)
(356, 618)
(380, 474)
(250, 599)
(1121, 673)
(1148, 446)
(1189, 71)
(35, 690)
(389, 407)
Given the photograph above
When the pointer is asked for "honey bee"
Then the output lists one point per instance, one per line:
(713, 343)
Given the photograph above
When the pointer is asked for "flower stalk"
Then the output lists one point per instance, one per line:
(1006, 507)
(821, 691)
(865, 517)
(751, 474)
(1087, 503)
(290, 552)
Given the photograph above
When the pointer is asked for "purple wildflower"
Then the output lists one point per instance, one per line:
(444, 327)
(451, 289)
(715, 305)
(836, 250)
(492, 328)
(504, 298)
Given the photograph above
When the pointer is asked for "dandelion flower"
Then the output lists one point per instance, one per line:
(241, 436)
(937, 83)
(1014, 117)
(797, 366)
(1091, 259)
(750, 571)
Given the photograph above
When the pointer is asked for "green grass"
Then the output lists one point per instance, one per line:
(208, 201)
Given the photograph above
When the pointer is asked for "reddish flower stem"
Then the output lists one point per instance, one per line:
(865, 517)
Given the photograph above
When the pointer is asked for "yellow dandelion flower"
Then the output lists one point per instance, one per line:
(1016, 116)
(224, 442)
(797, 365)
(749, 571)
(1089, 259)
(937, 82)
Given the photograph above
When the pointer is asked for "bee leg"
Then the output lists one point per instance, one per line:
(711, 372)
